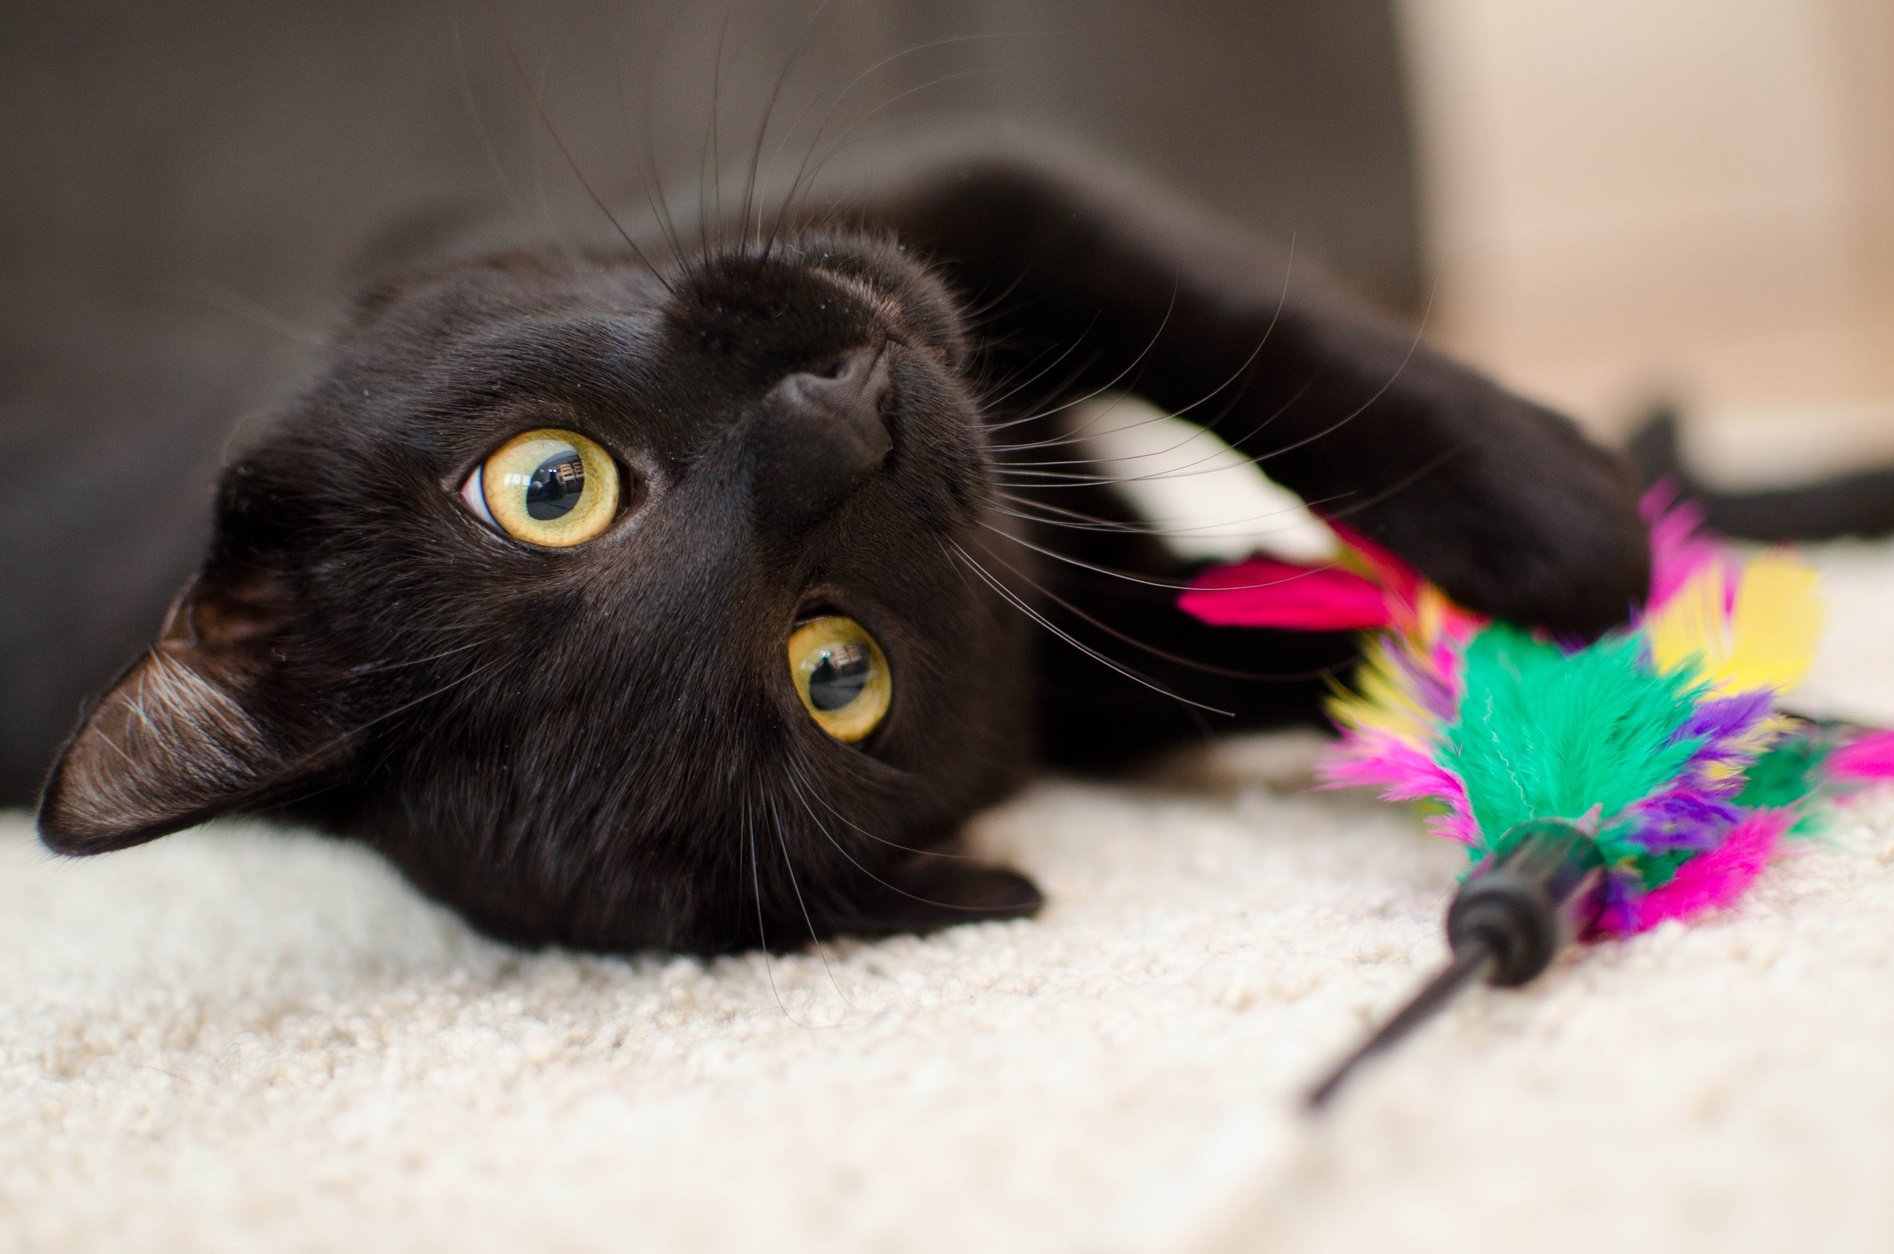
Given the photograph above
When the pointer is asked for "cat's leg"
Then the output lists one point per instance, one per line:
(1124, 671)
(1499, 500)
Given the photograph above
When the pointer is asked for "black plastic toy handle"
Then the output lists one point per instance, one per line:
(1514, 915)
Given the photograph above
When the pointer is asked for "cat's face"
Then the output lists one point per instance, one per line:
(617, 609)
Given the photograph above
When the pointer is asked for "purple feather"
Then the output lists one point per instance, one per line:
(1722, 723)
(1683, 818)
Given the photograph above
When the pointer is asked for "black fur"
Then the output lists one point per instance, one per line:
(1856, 504)
(600, 746)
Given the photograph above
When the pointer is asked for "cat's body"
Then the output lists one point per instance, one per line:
(604, 744)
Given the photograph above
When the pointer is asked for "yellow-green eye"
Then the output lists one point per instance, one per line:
(841, 676)
(548, 487)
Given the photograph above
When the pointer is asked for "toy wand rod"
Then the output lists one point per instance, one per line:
(1516, 913)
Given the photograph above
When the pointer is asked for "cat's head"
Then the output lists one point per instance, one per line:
(617, 607)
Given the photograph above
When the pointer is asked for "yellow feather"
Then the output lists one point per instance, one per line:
(1382, 697)
(1767, 641)
(1380, 701)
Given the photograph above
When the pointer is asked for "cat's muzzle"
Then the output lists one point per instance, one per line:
(820, 435)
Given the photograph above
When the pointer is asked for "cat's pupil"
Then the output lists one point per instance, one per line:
(840, 676)
(555, 487)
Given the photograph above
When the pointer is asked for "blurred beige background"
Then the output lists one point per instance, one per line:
(1692, 198)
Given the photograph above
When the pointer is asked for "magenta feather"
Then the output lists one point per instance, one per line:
(1714, 880)
(1264, 592)
(1867, 759)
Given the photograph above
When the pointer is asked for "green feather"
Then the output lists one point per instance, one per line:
(1542, 733)
(1787, 772)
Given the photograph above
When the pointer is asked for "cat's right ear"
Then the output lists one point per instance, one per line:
(207, 721)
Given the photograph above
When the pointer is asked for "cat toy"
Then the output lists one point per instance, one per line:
(1599, 788)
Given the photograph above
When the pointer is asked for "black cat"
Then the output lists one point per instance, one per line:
(690, 602)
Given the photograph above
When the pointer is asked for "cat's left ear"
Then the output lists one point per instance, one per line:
(208, 720)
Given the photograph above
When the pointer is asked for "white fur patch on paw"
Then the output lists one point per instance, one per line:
(1207, 499)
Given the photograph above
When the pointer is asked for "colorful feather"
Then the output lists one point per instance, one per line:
(1664, 741)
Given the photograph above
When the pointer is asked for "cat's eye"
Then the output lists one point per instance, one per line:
(841, 676)
(547, 487)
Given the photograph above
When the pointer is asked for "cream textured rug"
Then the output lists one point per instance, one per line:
(239, 1039)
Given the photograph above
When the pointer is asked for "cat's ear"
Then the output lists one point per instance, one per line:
(205, 722)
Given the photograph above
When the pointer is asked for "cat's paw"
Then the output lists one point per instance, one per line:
(1532, 524)
(931, 893)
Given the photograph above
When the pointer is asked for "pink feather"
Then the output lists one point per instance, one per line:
(1679, 549)
(1264, 592)
(1717, 879)
(1867, 759)
(1402, 772)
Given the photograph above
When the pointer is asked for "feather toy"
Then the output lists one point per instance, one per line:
(1599, 788)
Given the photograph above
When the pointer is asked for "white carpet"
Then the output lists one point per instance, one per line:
(246, 1040)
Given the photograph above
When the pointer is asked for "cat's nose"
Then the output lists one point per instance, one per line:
(819, 437)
